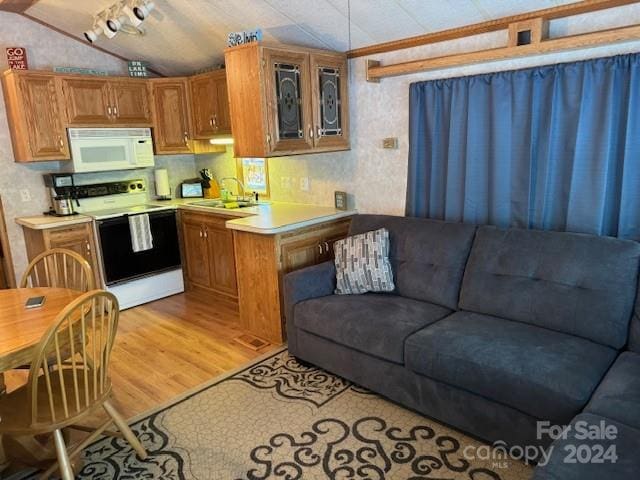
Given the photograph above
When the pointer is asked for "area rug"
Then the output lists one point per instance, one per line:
(282, 420)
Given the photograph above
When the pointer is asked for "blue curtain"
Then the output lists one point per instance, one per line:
(555, 148)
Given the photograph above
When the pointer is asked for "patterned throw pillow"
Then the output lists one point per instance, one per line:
(362, 263)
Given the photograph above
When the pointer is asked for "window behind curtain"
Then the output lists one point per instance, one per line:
(555, 147)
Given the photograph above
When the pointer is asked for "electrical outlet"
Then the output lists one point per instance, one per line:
(285, 183)
(304, 184)
(25, 195)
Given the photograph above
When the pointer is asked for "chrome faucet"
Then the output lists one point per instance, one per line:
(240, 184)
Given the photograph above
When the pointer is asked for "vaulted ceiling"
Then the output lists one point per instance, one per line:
(183, 36)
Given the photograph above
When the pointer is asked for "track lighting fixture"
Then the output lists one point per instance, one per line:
(142, 10)
(124, 16)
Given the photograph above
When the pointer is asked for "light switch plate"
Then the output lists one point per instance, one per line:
(340, 200)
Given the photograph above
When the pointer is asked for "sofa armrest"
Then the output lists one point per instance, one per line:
(311, 282)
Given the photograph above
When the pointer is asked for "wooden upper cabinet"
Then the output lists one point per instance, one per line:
(171, 115)
(34, 113)
(223, 115)
(130, 102)
(88, 101)
(329, 100)
(210, 105)
(287, 100)
(96, 101)
(288, 91)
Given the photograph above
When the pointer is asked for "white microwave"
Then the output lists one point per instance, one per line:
(104, 149)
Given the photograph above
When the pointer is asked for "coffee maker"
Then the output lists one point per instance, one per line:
(62, 193)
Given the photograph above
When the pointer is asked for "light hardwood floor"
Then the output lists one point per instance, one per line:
(167, 347)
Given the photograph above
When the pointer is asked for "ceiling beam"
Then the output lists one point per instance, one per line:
(568, 10)
(16, 6)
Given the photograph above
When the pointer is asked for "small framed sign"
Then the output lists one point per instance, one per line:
(81, 71)
(17, 58)
(138, 68)
(239, 38)
(254, 174)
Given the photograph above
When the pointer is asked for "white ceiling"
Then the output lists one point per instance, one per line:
(183, 36)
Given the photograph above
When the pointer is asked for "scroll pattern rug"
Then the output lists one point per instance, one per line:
(282, 420)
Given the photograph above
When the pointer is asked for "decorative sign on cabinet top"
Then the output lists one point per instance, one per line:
(239, 38)
(17, 58)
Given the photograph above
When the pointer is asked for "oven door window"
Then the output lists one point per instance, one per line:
(119, 261)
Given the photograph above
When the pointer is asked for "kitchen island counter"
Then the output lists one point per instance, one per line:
(267, 218)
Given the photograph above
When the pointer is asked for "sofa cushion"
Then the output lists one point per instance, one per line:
(376, 324)
(362, 263)
(578, 284)
(618, 396)
(428, 256)
(565, 465)
(547, 374)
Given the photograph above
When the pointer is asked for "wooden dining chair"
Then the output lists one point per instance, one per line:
(59, 268)
(60, 392)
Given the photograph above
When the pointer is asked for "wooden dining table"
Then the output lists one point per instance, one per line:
(21, 330)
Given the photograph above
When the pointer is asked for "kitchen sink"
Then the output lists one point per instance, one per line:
(221, 204)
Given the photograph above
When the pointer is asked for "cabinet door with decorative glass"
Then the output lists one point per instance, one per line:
(288, 92)
(329, 80)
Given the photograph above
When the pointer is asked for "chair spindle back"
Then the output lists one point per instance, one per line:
(59, 268)
(73, 356)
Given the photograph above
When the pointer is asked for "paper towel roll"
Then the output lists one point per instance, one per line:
(162, 183)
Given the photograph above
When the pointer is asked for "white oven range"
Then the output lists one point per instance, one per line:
(134, 277)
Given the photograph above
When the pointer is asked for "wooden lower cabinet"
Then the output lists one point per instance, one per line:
(79, 238)
(263, 260)
(209, 261)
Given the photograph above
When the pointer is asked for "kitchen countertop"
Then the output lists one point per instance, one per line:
(42, 222)
(268, 218)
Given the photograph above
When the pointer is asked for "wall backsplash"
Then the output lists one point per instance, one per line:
(327, 172)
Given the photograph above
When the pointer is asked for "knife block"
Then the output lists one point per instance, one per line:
(213, 191)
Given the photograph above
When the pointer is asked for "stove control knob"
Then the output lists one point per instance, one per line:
(140, 186)
(132, 186)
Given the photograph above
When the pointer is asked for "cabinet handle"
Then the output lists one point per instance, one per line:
(115, 111)
(215, 121)
(186, 139)
(318, 132)
(310, 131)
(109, 111)
(60, 141)
(211, 122)
(201, 233)
(320, 249)
(326, 247)
(88, 248)
(269, 139)
(206, 232)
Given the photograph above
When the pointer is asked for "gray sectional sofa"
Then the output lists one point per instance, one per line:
(489, 331)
